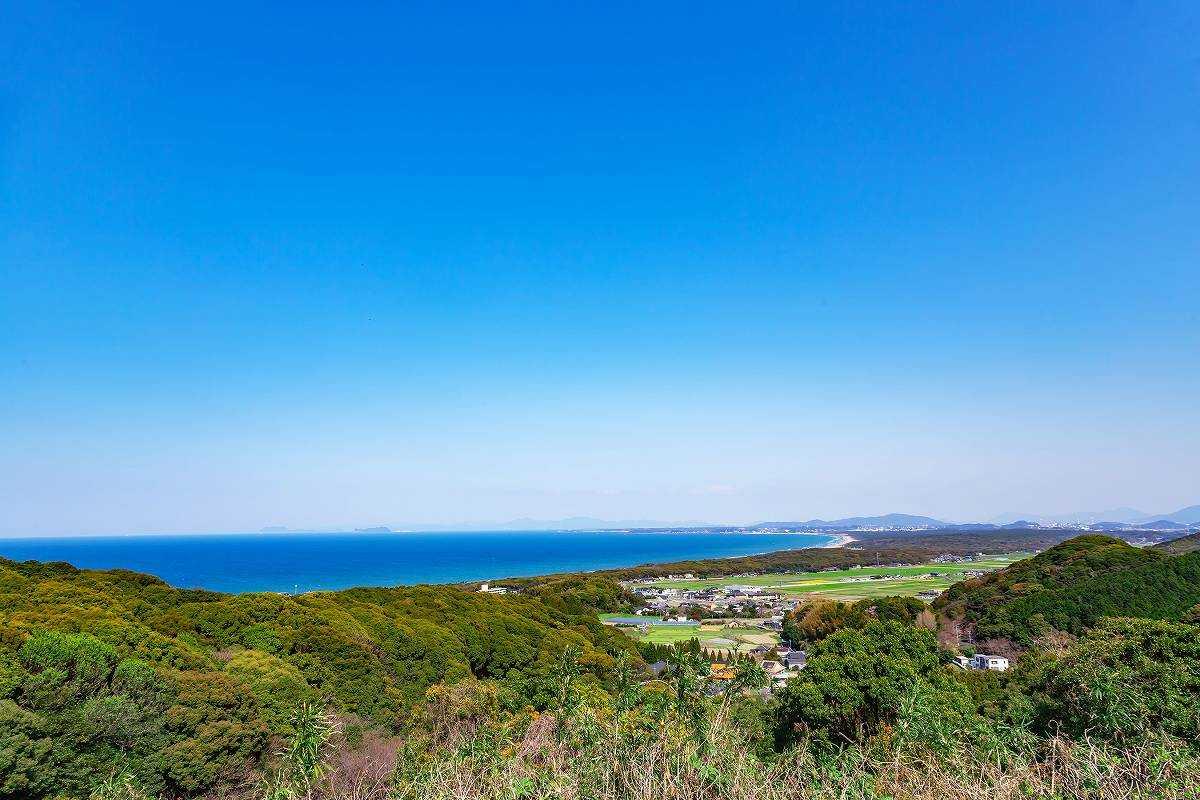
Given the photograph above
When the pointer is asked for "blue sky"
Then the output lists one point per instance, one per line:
(306, 266)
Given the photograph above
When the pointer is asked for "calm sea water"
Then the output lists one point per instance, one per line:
(300, 562)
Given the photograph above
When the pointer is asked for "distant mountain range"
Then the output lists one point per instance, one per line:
(1113, 519)
(1123, 514)
(1117, 519)
(1184, 516)
(1188, 516)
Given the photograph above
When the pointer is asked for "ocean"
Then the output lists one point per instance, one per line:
(300, 562)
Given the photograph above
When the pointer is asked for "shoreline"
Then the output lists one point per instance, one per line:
(482, 558)
(840, 540)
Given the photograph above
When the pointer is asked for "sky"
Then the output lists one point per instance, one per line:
(319, 266)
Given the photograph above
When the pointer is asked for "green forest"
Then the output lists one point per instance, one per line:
(116, 685)
(1072, 586)
(188, 687)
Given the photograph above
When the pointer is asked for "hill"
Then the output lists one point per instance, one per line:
(191, 685)
(1070, 587)
(1184, 544)
(1185, 516)
(1111, 517)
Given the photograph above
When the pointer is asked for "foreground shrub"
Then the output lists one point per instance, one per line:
(1127, 679)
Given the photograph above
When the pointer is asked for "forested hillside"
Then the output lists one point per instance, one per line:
(1071, 586)
(189, 686)
(1184, 544)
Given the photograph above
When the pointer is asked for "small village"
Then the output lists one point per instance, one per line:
(732, 600)
(736, 618)
(687, 612)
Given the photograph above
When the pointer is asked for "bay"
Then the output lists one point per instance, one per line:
(300, 562)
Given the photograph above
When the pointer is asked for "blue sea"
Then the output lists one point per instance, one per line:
(299, 562)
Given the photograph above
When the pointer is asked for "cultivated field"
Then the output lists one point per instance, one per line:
(857, 583)
(717, 635)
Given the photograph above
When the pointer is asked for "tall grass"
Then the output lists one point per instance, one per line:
(597, 754)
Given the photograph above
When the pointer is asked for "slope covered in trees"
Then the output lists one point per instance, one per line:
(1071, 587)
(190, 686)
(814, 619)
(1184, 544)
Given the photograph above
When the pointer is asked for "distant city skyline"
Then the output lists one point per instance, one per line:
(355, 266)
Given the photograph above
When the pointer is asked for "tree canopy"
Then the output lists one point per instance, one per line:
(188, 686)
(1071, 587)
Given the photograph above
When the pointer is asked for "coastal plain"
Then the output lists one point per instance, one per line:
(848, 585)
(855, 583)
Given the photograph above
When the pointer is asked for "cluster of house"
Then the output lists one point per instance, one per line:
(732, 600)
(790, 662)
(779, 670)
(947, 558)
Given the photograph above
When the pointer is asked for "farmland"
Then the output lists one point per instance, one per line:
(855, 583)
(714, 635)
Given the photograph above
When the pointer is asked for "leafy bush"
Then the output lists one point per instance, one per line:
(858, 679)
(1128, 679)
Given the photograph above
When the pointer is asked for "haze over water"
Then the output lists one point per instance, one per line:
(298, 562)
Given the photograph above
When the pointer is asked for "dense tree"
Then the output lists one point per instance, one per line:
(857, 679)
(813, 620)
(1181, 545)
(186, 688)
(1071, 587)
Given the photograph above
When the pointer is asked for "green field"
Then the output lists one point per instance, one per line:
(842, 584)
(743, 636)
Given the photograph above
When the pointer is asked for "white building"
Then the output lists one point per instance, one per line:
(983, 661)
